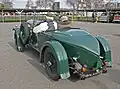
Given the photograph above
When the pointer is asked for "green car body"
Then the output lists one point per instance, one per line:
(68, 45)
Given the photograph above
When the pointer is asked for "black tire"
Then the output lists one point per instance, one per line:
(51, 64)
(19, 45)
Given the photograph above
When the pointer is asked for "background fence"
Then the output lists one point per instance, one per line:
(18, 18)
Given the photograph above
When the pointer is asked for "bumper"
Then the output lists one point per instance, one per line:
(88, 75)
(91, 73)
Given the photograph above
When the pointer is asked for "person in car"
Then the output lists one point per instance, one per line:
(64, 22)
(48, 24)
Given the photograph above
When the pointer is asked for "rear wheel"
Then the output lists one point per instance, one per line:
(19, 45)
(51, 64)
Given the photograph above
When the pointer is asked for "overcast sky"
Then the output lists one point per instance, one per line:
(22, 3)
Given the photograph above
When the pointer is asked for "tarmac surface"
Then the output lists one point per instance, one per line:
(20, 70)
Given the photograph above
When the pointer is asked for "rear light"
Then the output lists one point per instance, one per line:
(104, 63)
(116, 17)
(104, 71)
(83, 69)
(107, 64)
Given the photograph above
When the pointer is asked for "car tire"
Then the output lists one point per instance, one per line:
(51, 64)
(19, 45)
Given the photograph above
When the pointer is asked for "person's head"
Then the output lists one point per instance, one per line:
(64, 20)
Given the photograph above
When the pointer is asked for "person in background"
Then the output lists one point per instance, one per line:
(96, 17)
(93, 17)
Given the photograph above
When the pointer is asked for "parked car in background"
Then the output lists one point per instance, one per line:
(116, 17)
(106, 17)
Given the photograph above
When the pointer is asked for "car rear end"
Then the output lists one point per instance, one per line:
(84, 55)
(83, 62)
(116, 18)
(106, 17)
(103, 17)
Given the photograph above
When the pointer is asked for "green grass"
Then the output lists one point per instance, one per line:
(17, 19)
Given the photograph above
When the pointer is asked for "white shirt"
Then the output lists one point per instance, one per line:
(43, 27)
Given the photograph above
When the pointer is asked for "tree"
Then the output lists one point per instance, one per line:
(72, 3)
(44, 3)
(97, 3)
(39, 3)
(111, 4)
(29, 4)
(82, 4)
(88, 3)
(7, 3)
(79, 4)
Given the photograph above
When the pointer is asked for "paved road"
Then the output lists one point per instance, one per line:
(22, 71)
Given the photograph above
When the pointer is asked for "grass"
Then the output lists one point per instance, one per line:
(23, 18)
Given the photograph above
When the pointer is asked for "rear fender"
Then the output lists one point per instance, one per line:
(61, 57)
(105, 49)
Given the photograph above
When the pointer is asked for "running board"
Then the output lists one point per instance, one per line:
(37, 49)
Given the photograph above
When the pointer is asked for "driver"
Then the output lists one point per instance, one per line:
(64, 22)
(47, 25)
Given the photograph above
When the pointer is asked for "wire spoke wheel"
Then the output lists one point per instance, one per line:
(50, 64)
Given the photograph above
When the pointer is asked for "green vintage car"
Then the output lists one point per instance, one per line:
(66, 51)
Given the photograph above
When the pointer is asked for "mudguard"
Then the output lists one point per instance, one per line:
(105, 49)
(62, 59)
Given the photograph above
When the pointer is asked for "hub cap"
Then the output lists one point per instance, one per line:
(49, 63)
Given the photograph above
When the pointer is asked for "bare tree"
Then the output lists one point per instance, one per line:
(29, 4)
(88, 3)
(72, 3)
(110, 4)
(82, 4)
(97, 4)
(7, 3)
(79, 4)
(44, 3)
(39, 3)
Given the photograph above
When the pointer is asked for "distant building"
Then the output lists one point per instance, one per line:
(56, 6)
(118, 5)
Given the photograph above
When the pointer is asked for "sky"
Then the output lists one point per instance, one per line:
(22, 3)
